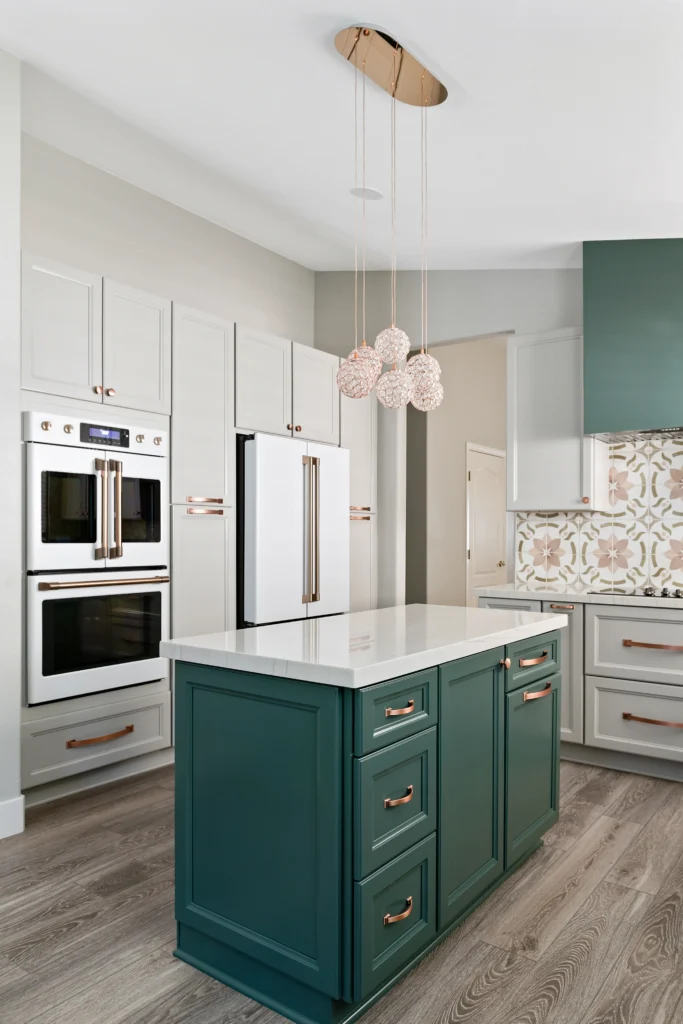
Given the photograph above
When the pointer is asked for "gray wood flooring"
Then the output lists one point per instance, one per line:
(589, 931)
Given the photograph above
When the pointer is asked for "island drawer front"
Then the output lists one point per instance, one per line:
(532, 659)
(608, 700)
(635, 643)
(394, 916)
(393, 710)
(394, 800)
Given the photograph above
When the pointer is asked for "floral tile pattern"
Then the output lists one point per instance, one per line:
(547, 549)
(666, 553)
(666, 487)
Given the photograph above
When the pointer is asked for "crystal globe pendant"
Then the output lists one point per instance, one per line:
(427, 394)
(357, 375)
(423, 367)
(392, 344)
(394, 388)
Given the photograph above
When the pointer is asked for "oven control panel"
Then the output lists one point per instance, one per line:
(95, 433)
(72, 432)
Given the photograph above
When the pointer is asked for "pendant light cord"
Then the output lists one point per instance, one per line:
(423, 217)
(365, 225)
(355, 202)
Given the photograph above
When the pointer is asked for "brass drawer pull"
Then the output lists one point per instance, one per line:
(205, 511)
(360, 517)
(628, 717)
(100, 739)
(204, 501)
(407, 710)
(527, 662)
(401, 800)
(505, 663)
(652, 647)
(539, 693)
(563, 607)
(359, 508)
(388, 919)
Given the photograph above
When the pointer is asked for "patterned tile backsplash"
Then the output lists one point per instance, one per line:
(640, 541)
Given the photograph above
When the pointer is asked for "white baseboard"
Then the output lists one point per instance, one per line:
(99, 777)
(11, 817)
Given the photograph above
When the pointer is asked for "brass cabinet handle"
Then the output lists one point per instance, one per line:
(98, 389)
(563, 607)
(407, 710)
(100, 739)
(298, 427)
(117, 468)
(359, 508)
(111, 392)
(401, 800)
(652, 647)
(102, 466)
(586, 501)
(628, 717)
(527, 695)
(505, 663)
(204, 511)
(80, 584)
(364, 518)
(388, 919)
(526, 662)
(203, 501)
(290, 426)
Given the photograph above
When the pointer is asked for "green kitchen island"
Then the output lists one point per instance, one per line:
(349, 789)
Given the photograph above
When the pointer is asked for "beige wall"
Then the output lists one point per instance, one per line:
(83, 216)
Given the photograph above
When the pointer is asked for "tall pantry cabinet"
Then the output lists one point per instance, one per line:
(359, 435)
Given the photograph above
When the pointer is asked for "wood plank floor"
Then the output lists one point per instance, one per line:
(589, 930)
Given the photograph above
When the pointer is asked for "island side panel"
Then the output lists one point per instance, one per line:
(258, 819)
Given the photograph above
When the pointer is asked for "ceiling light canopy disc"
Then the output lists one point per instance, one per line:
(377, 53)
(366, 193)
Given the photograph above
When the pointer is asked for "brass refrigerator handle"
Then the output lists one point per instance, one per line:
(526, 662)
(652, 647)
(401, 799)
(80, 584)
(628, 717)
(102, 467)
(537, 694)
(308, 596)
(117, 469)
(316, 469)
(100, 739)
(389, 919)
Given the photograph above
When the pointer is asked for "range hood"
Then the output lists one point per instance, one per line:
(633, 339)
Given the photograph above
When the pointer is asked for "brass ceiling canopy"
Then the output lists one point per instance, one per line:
(375, 52)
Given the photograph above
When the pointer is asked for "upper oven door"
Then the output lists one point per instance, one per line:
(138, 511)
(66, 507)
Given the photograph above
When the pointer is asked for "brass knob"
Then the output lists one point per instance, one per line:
(505, 663)
(111, 392)
(297, 427)
(501, 563)
(46, 425)
(157, 440)
(586, 501)
(139, 438)
(98, 389)
(290, 426)
(68, 429)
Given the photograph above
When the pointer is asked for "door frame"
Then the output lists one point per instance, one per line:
(483, 449)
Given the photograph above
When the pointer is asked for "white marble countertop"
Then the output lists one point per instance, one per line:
(576, 594)
(364, 647)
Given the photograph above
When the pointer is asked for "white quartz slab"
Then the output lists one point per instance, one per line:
(364, 647)
(577, 594)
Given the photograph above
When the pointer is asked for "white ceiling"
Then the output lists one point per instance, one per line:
(564, 120)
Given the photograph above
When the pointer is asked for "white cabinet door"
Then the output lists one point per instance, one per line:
(551, 465)
(331, 580)
(137, 349)
(315, 394)
(363, 566)
(263, 382)
(202, 431)
(61, 329)
(202, 593)
(571, 723)
(359, 435)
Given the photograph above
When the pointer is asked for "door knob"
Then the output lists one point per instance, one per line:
(111, 392)
(501, 563)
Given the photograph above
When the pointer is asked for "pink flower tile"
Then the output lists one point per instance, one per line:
(666, 553)
(666, 481)
(614, 554)
(629, 481)
(547, 550)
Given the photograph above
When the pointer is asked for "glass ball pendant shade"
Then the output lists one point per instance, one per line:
(423, 367)
(392, 344)
(394, 389)
(371, 359)
(427, 394)
(356, 376)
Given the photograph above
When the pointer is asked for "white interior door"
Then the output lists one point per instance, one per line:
(315, 394)
(332, 586)
(486, 520)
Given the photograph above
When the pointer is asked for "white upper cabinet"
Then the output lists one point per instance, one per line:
(551, 465)
(359, 435)
(315, 394)
(202, 432)
(61, 330)
(202, 595)
(263, 368)
(137, 349)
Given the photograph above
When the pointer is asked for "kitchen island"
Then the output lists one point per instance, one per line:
(350, 788)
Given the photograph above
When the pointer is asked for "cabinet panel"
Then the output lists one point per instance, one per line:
(263, 382)
(609, 700)
(532, 765)
(363, 560)
(571, 727)
(359, 434)
(137, 349)
(202, 594)
(315, 394)
(202, 425)
(471, 780)
(61, 329)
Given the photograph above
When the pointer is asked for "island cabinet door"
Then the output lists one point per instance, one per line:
(471, 780)
(532, 765)
(258, 822)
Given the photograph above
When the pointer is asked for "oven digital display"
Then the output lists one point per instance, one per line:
(114, 435)
(95, 433)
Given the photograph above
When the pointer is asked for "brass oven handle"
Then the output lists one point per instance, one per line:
(308, 596)
(563, 607)
(652, 647)
(401, 800)
(79, 584)
(102, 467)
(388, 919)
(526, 662)
(628, 717)
(539, 693)
(117, 469)
(365, 518)
(359, 508)
(205, 511)
(316, 470)
(407, 710)
(203, 501)
(100, 739)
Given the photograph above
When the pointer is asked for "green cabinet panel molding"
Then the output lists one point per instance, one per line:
(323, 847)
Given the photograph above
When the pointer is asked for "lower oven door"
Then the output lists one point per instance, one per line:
(91, 632)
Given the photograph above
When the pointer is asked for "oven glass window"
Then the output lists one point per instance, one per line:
(92, 632)
(141, 510)
(68, 508)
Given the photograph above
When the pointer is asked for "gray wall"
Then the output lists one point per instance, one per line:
(80, 215)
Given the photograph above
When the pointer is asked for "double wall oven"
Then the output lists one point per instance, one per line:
(97, 555)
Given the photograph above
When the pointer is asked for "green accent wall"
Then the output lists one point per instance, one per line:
(633, 335)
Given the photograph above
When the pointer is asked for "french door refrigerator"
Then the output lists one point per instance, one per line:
(296, 529)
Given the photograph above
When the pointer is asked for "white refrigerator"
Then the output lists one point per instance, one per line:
(296, 529)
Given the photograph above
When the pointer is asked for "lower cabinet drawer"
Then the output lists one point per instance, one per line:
(394, 916)
(642, 644)
(394, 800)
(532, 659)
(390, 711)
(638, 718)
(65, 744)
